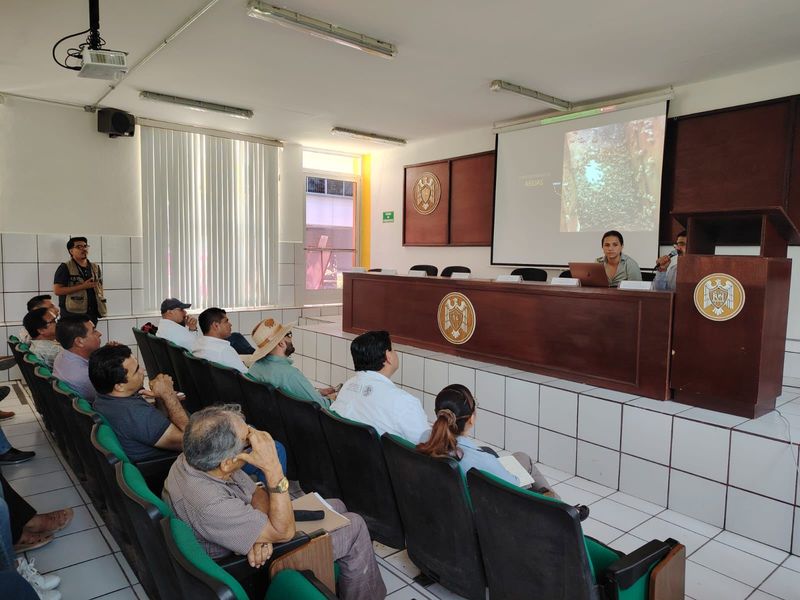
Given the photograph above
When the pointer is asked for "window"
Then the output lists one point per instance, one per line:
(330, 240)
(209, 212)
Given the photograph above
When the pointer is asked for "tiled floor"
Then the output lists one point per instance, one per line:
(722, 565)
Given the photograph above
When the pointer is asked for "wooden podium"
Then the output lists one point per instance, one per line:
(734, 365)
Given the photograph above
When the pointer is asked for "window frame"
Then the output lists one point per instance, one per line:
(328, 295)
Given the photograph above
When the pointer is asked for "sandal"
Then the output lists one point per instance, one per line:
(53, 521)
(30, 541)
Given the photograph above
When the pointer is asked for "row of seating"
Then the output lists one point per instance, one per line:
(161, 549)
(462, 539)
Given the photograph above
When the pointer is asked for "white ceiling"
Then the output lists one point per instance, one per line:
(448, 51)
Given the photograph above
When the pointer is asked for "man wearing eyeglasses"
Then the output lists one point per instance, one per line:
(41, 325)
(78, 283)
(667, 267)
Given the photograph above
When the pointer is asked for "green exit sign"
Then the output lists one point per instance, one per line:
(388, 216)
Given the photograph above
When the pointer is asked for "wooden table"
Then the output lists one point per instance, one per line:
(610, 338)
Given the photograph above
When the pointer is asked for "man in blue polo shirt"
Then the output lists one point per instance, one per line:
(144, 430)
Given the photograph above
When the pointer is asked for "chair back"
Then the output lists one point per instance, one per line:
(226, 384)
(150, 363)
(531, 544)
(261, 410)
(648, 275)
(27, 362)
(145, 511)
(184, 380)
(437, 516)
(59, 401)
(448, 271)
(197, 576)
(158, 346)
(200, 372)
(431, 270)
(530, 274)
(364, 477)
(312, 457)
(108, 453)
(42, 391)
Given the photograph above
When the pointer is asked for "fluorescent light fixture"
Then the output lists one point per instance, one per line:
(586, 110)
(242, 113)
(365, 135)
(499, 85)
(327, 31)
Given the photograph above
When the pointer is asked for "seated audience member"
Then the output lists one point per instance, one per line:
(455, 417)
(176, 325)
(213, 344)
(619, 266)
(370, 396)
(79, 338)
(41, 326)
(43, 301)
(274, 366)
(181, 329)
(22, 529)
(668, 268)
(229, 513)
(144, 431)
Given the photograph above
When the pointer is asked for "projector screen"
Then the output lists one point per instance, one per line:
(560, 186)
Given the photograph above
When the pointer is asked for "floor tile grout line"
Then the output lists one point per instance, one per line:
(754, 588)
(751, 553)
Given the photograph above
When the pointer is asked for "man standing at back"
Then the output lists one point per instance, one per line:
(370, 397)
(78, 283)
(213, 345)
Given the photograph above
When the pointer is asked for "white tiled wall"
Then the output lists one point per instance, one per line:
(726, 471)
(29, 261)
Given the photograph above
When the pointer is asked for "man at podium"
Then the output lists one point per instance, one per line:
(668, 268)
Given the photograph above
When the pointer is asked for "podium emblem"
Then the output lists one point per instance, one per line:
(456, 318)
(427, 193)
(719, 297)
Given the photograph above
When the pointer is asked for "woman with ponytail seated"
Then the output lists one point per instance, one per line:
(455, 416)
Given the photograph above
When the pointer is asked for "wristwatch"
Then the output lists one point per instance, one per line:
(281, 488)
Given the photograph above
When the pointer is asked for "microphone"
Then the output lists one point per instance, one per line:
(671, 254)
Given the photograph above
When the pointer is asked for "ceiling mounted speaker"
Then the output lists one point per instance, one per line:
(116, 123)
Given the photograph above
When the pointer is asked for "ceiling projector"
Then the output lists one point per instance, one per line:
(103, 64)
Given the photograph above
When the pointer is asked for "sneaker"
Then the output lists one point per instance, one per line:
(4, 391)
(6, 362)
(44, 585)
(14, 457)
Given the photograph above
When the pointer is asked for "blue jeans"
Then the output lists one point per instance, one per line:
(7, 555)
(240, 343)
(251, 470)
(5, 445)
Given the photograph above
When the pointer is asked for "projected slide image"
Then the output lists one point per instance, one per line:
(612, 176)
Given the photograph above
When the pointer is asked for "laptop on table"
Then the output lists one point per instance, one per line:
(591, 274)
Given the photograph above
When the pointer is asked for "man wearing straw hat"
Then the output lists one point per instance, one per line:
(272, 363)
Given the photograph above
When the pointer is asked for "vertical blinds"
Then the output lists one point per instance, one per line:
(209, 217)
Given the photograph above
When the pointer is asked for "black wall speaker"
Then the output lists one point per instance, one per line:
(115, 122)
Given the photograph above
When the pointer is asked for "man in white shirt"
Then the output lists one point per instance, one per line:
(177, 326)
(370, 396)
(213, 344)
